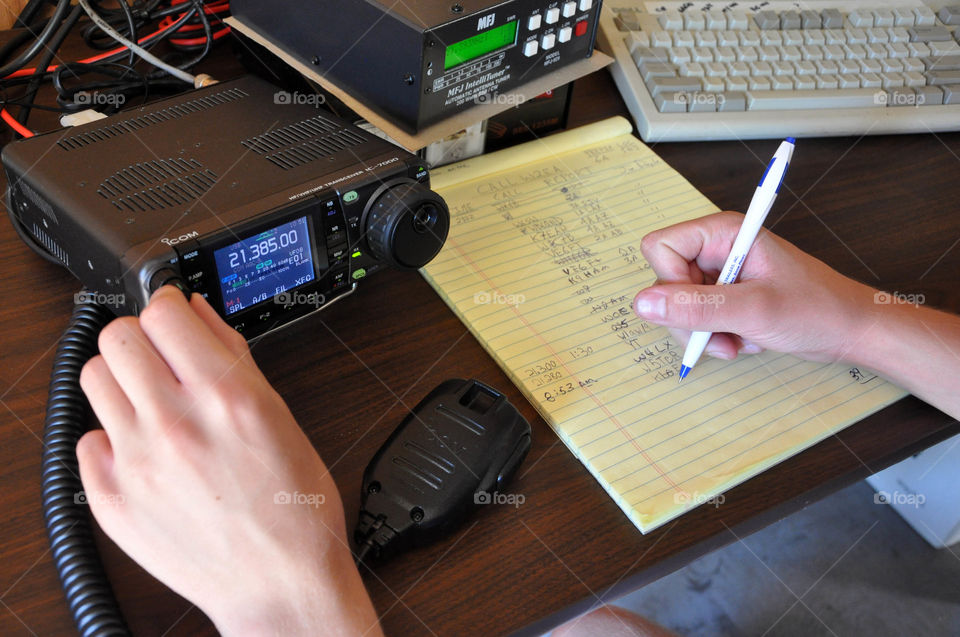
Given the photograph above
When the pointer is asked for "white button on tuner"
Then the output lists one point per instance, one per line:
(530, 48)
(565, 34)
(585, 5)
(548, 41)
(533, 22)
(553, 15)
(569, 9)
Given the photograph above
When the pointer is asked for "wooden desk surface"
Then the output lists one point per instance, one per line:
(880, 209)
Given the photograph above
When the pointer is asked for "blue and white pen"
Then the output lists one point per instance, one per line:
(760, 206)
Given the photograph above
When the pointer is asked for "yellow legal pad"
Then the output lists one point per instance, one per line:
(542, 264)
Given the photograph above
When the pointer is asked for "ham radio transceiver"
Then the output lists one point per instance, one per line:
(270, 210)
(417, 63)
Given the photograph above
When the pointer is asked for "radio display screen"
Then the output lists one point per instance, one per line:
(480, 44)
(268, 263)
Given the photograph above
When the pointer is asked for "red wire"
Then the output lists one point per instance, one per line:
(14, 124)
(213, 8)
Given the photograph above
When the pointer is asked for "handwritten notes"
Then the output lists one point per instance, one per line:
(542, 264)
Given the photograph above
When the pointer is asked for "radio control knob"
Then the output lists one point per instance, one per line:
(407, 225)
(168, 276)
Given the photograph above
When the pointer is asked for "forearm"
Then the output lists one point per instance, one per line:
(915, 347)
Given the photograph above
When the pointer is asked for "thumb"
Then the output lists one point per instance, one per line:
(708, 308)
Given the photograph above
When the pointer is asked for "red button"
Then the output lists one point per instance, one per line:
(581, 28)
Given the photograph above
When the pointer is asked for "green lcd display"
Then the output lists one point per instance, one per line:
(480, 44)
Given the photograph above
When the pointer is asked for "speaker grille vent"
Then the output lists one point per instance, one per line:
(158, 184)
(303, 142)
(51, 245)
(175, 111)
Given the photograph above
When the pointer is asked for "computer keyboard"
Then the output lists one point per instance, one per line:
(708, 70)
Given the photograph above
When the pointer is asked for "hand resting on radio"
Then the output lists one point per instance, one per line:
(192, 472)
(786, 300)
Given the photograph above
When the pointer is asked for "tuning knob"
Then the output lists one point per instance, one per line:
(406, 225)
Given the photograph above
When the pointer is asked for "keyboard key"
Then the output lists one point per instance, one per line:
(679, 55)
(883, 18)
(810, 19)
(891, 80)
(870, 80)
(715, 69)
(716, 20)
(899, 34)
(913, 64)
(790, 53)
(706, 38)
(635, 39)
(670, 102)
(827, 82)
(702, 103)
(814, 36)
(805, 67)
(925, 17)
(904, 16)
(877, 34)
(629, 19)
(771, 38)
(694, 20)
(944, 48)
(835, 36)
(658, 85)
(812, 99)
(951, 93)
(900, 97)
(760, 69)
(650, 54)
(793, 37)
(897, 50)
(950, 15)
(738, 69)
(759, 83)
(656, 69)
(831, 19)
(782, 82)
(849, 80)
(766, 20)
(833, 52)
(790, 20)
(692, 69)
(929, 95)
(713, 84)
(918, 49)
(875, 51)
(785, 68)
(683, 38)
(724, 54)
(870, 66)
(947, 63)
(856, 36)
(855, 51)
(737, 19)
(804, 82)
(735, 83)
(943, 77)
(826, 67)
(748, 54)
(749, 38)
(811, 52)
(702, 54)
(861, 18)
(914, 79)
(892, 64)
(848, 66)
(929, 34)
(727, 38)
(670, 20)
(770, 53)
(732, 101)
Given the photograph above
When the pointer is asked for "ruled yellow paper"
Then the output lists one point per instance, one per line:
(542, 263)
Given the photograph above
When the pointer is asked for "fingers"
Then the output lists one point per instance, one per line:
(683, 252)
(188, 344)
(230, 337)
(136, 365)
(95, 459)
(106, 397)
(741, 308)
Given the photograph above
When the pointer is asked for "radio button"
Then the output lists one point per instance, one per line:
(338, 252)
(338, 279)
(359, 273)
(565, 34)
(585, 5)
(581, 28)
(336, 238)
(569, 9)
(548, 41)
(533, 23)
(553, 15)
(530, 48)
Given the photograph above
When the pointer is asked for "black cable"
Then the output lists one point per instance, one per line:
(44, 61)
(28, 13)
(89, 596)
(21, 60)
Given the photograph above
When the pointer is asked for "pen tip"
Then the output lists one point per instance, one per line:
(684, 370)
(791, 140)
